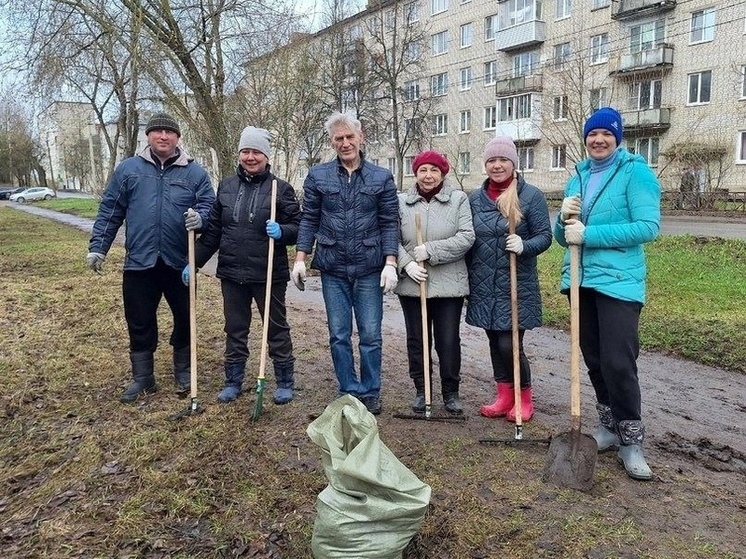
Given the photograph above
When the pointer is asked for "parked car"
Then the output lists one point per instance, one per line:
(34, 193)
(7, 191)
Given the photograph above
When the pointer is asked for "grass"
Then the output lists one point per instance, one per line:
(83, 207)
(84, 476)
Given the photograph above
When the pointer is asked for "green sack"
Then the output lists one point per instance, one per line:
(373, 504)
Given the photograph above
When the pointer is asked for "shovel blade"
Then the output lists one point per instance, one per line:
(571, 461)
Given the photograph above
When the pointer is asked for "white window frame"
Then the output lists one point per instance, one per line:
(516, 12)
(391, 165)
(466, 35)
(517, 107)
(741, 147)
(562, 9)
(647, 147)
(412, 11)
(464, 121)
(490, 73)
(562, 55)
(647, 35)
(411, 90)
(408, 159)
(465, 78)
(464, 163)
(599, 48)
(489, 120)
(439, 43)
(440, 124)
(526, 63)
(646, 94)
(559, 157)
(438, 6)
(413, 51)
(690, 82)
(439, 84)
(603, 98)
(560, 108)
(526, 158)
(490, 27)
(743, 82)
(390, 131)
(598, 4)
(702, 26)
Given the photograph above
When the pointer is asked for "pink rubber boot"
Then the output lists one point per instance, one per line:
(527, 406)
(504, 400)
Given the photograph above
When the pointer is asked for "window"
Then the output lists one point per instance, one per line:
(559, 157)
(647, 148)
(408, 165)
(490, 72)
(562, 54)
(600, 48)
(438, 6)
(703, 26)
(515, 12)
(525, 64)
(466, 35)
(439, 43)
(412, 11)
(390, 131)
(439, 84)
(464, 163)
(743, 82)
(599, 98)
(411, 90)
(490, 27)
(391, 165)
(514, 108)
(413, 51)
(741, 146)
(526, 159)
(355, 33)
(465, 78)
(699, 87)
(597, 4)
(490, 117)
(562, 8)
(390, 20)
(645, 95)
(464, 121)
(646, 35)
(559, 108)
(440, 125)
(412, 126)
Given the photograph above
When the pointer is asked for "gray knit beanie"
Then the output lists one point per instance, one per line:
(162, 121)
(255, 138)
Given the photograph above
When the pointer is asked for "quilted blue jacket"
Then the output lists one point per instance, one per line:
(353, 219)
(622, 216)
(151, 200)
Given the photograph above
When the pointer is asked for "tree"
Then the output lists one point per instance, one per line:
(20, 154)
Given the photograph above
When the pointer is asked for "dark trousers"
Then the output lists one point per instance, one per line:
(501, 354)
(237, 298)
(610, 344)
(444, 323)
(142, 291)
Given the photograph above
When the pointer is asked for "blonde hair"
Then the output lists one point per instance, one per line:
(507, 203)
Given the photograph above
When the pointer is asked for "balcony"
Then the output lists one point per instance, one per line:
(520, 36)
(631, 9)
(660, 57)
(525, 130)
(646, 121)
(520, 84)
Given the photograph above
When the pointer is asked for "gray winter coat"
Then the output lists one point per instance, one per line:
(489, 264)
(448, 234)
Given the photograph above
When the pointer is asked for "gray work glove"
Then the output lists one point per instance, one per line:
(574, 232)
(514, 244)
(298, 275)
(570, 207)
(192, 220)
(389, 278)
(95, 261)
(416, 272)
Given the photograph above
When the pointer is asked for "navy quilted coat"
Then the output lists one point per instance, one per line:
(488, 305)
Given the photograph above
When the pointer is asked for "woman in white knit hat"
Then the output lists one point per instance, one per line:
(503, 193)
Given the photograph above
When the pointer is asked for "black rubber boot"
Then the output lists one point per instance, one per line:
(418, 403)
(452, 403)
(143, 381)
(285, 378)
(182, 371)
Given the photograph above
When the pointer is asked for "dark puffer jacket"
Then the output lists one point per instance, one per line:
(237, 226)
(489, 264)
(353, 219)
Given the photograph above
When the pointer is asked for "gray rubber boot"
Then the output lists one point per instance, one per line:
(285, 378)
(631, 436)
(606, 434)
(182, 371)
(234, 373)
(143, 381)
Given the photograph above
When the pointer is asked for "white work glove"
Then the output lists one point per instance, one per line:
(570, 207)
(95, 261)
(416, 272)
(420, 253)
(389, 278)
(574, 232)
(514, 244)
(298, 275)
(192, 220)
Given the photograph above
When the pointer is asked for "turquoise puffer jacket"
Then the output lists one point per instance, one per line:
(622, 216)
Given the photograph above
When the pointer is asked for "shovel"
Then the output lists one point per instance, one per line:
(265, 322)
(194, 407)
(428, 416)
(572, 456)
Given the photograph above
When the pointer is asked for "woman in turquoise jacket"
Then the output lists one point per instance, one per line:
(611, 209)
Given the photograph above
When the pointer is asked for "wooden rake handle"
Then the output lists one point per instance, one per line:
(268, 287)
(575, 336)
(423, 313)
(514, 328)
(192, 315)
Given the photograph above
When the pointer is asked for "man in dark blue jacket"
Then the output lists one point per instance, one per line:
(160, 194)
(351, 213)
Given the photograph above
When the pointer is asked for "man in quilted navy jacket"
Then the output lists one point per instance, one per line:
(351, 214)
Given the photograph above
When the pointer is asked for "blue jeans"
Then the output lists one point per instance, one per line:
(364, 297)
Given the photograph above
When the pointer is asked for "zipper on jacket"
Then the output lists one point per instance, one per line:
(252, 204)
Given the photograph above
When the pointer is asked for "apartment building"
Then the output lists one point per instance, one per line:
(535, 69)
